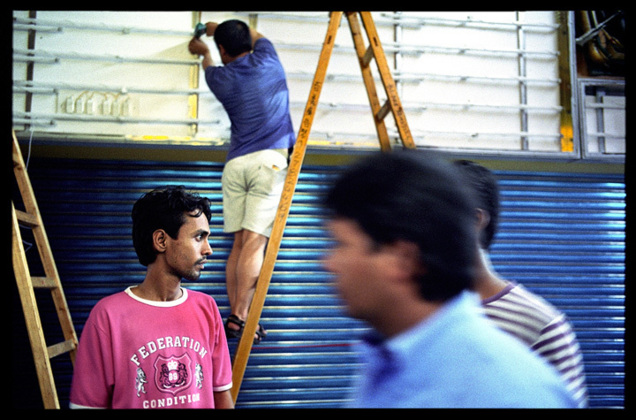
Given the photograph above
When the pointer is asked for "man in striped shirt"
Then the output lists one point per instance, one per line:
(511, 306)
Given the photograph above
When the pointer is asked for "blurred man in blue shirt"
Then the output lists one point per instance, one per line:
(405, 244)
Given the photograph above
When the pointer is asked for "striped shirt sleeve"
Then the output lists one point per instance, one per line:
(545, 329)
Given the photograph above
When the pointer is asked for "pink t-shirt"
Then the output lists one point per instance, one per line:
(135, 353)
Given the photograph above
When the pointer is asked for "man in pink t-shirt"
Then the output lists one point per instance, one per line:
(158, 345)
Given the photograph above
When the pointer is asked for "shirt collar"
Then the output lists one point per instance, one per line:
(410, 341)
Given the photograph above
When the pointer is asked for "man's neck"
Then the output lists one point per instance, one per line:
(405, 317)
(156, 287)
(487, 281)
(229, 59)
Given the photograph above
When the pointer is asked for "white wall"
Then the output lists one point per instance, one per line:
(128, 75)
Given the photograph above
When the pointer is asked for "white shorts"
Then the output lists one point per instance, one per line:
(252, 185)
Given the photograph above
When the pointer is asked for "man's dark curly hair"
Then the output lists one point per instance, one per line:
(163, 208)
(418, 197)
(486, 191)
(235, 37)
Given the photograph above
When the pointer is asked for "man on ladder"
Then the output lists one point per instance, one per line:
(253, 90)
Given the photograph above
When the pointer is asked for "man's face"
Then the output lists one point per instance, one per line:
(359, 269)
(187, 253)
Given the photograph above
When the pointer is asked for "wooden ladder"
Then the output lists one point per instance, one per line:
(26, 284)
(392, 105)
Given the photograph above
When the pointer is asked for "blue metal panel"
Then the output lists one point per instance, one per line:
(561, 235)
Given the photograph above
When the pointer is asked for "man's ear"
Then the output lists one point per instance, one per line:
(406, 260)
(159, 239)
(483, 219)
(222, 51)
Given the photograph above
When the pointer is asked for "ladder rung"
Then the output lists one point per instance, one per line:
(43, 283)
(368, 56)
(384, 111)
(60, 348)
(27, 218)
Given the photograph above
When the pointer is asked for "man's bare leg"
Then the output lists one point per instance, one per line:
(242, 271)
(230, 269)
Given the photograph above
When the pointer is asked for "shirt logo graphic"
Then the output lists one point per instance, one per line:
(172, 374)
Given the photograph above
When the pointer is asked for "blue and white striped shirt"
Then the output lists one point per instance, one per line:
(545, 329)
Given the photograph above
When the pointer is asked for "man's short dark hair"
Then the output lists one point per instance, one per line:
(415, 196)
(163, 208)
(486, 191)
(235, 37)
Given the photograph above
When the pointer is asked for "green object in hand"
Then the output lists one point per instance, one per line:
(199, 30)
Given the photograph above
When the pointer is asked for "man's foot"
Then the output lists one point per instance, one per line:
(237, 331)
(234, 332)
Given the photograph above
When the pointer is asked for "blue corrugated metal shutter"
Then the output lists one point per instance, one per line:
(562, 235)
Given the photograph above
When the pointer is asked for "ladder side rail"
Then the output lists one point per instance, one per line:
(245, 343)
(32, 211)
(369, 82)
(387, 80)
(32, 317)
(44, 248)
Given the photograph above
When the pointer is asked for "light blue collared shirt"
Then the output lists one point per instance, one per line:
(456, 359)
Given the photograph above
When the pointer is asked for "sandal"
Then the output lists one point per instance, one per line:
(232, 333)
(261, 333)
